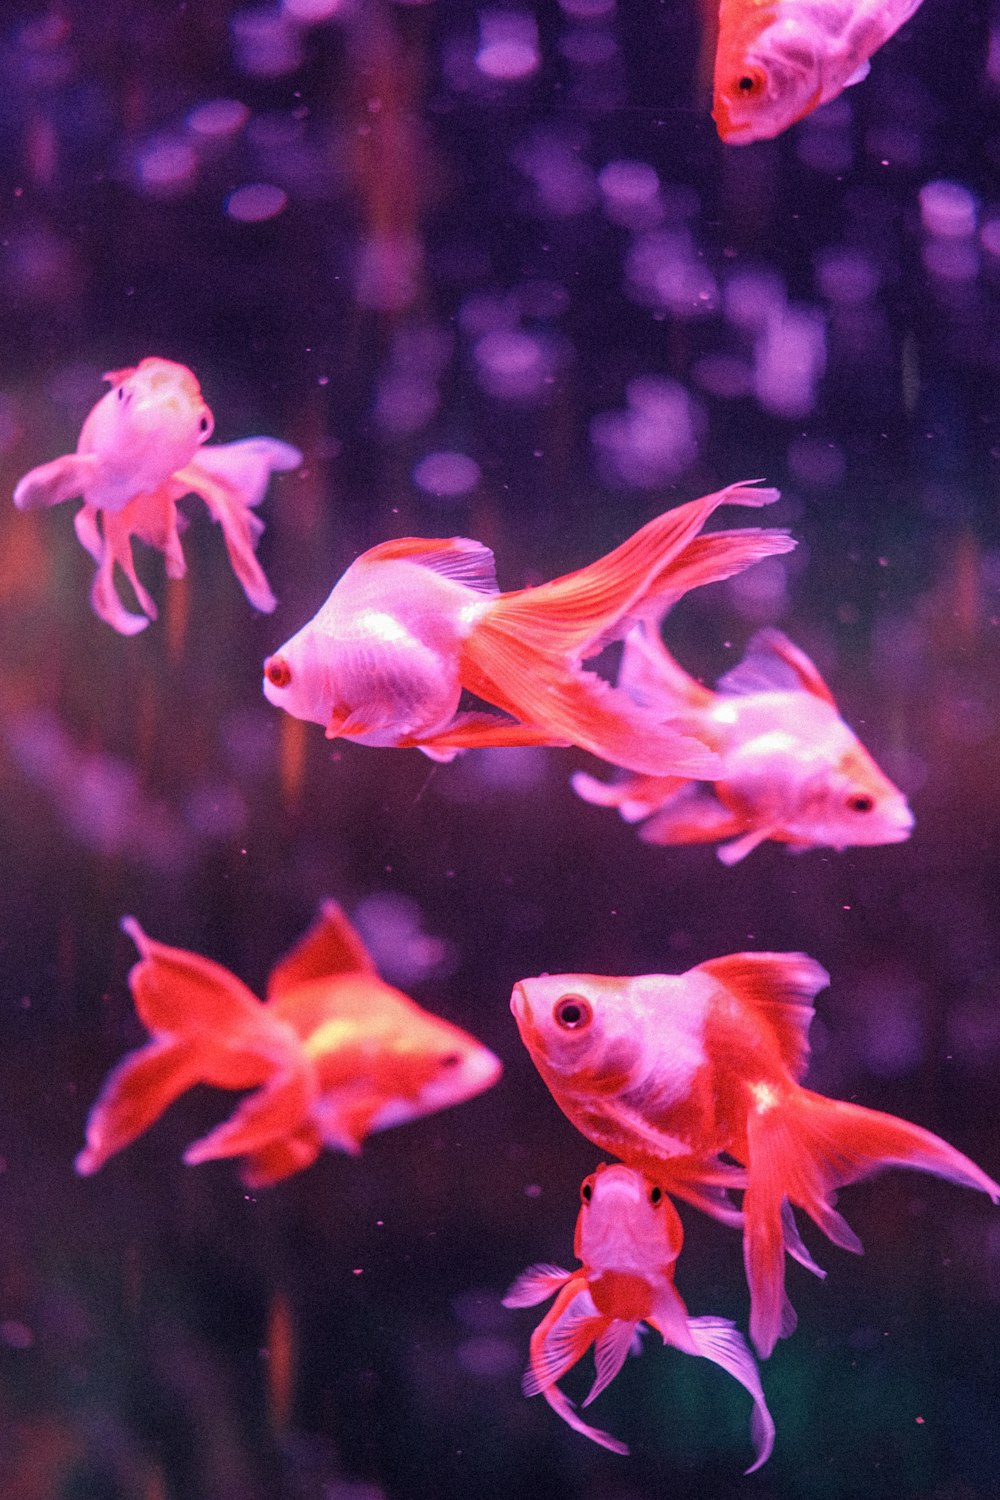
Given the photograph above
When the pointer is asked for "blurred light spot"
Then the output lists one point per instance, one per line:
(541, 299)
(404, 403)
(950, 260)
(312, 11)
(989, 235)
(588, 47)
(631, 193)
(889, 1017)
(723, 375)
(486, 312)
(489, 1356)
(256, 202)
(816, 463)
(948, 210)
(662, 270)
(653, 441)
(391, 926)
(789, 360)
(564, 184)
(16, 1335)
(218, 117)
(760, 593)
(497, 771)
(216, 812)
(508, 44)
(846, 276)
(480, 1310)
(514, 365)
(750, 298)
(447, 475)
(165, 167)
(265, 43)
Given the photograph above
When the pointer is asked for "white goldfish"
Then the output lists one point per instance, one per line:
(778, 60)
(141, 450)
(790, 769)
(415, 622)
(333, 1054)
(669, 1072)
(628, 1237)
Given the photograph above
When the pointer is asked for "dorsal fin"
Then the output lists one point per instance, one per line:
(774, 664)
(331, 946)
(651, 676)
(781, 988)
(454, 557)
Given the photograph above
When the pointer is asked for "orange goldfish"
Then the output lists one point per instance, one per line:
(139, 452)
(334, 1053)
(628, 1237)
(414, 622)
(778, 60)
(789, 767)
(668, 1071)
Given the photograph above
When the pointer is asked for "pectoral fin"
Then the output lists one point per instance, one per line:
(54, 482)
(693, 815)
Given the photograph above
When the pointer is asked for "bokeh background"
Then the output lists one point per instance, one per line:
(491, 269)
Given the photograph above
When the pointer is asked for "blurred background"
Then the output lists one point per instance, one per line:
(490, 268)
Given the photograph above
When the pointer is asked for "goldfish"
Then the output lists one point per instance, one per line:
(778, 60)
(333, 1054)
(139, 452)
(413, 623)
(666, 1072)
(789, 767)
(628, 1238)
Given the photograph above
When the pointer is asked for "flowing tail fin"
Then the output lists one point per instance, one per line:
(205, 1026)
(524, 652)
(803, 1151)
(717, 1339)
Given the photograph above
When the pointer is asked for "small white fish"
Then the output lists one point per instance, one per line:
(790, 768)
(139, 452)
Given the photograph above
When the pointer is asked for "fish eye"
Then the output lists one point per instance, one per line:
(450, 1060)
(572, 1012)
(203, 425)
(655, 1195)
(587, 1191)
(860, 802)
(750, 83)
(277, 671)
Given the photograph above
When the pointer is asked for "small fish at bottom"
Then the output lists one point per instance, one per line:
(628, 1237)
(334, 1053)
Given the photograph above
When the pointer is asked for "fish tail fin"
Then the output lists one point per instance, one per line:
(718, 1340)
(280, 1159)
(134, 1096)
(231, 479)
(802, 1152)
(563, 1336)
(109, 547)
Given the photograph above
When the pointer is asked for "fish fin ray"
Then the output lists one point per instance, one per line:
(331, 946)
(182, 993)
(780, 988)
(457, 557)
(718, 1340)
(52, 483)
(241, 528)
(134, 1095)
(651, 677)
(280, 1159)
(278, 1109)
(690, 815)
(772, 663)
(535, 1284)
(611, 1349)
(477, 731)
(563, 1336)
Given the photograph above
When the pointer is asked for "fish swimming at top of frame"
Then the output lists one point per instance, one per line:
(414, 622)
(628, 1237)
(668, 1071)
(141, 450)
(778, 60)
(334, 1053)
(789, 767)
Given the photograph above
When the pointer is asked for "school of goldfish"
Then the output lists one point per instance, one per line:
(692, 1082)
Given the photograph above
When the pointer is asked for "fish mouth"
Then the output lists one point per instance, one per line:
(519, 1003)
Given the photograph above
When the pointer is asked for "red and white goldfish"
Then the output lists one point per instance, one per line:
(334, 1053)
(667, 1071)
(789, 767)
(139, 452)
(778, 60)
(628, 1237)
(414, 622)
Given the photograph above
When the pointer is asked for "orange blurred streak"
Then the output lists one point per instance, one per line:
(178, 613)
(280, 1362)
(291, 760)
(25, 563)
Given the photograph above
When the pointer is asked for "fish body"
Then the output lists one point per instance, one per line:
(670, 1072)
(140, 451)
(415, 622)
(790, 769)
(333, 1054)
(628, 1238)
(778, 60)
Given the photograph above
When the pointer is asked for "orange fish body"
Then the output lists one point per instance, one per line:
(790, 769)
(334, 1054)
(628, 1238)
(778, 60)
(413, 623)
(141, 450)
(666, 1072)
